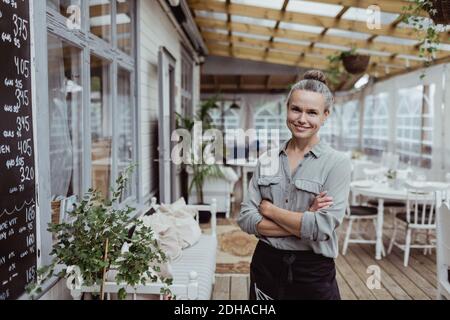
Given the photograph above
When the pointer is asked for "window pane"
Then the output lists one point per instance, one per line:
(125, 125)
(101, 126)
(65, 117)
(125, 23)
(100, 18)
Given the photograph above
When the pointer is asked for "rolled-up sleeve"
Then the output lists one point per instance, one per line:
(249, 216)
(320, 225)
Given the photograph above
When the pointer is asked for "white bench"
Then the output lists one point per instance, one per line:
(193, 272)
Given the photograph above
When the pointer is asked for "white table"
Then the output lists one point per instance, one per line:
(382, 191)
(246, 167)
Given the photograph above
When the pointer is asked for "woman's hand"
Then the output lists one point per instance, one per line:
(266, 208)
(321, 202)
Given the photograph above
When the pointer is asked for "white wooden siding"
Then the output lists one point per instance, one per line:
(156, 30)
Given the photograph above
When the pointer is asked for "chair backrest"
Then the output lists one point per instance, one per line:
(360, 166)
(420, 204)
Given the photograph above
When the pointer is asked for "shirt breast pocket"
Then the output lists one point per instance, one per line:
(270, 187)
(307, 190)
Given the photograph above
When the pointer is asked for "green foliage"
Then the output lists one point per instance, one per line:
(335, 70)
(427, 30)
(201, 171)
(391, 174)
(81, 242)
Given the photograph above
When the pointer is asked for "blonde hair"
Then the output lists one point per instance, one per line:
(315, 81)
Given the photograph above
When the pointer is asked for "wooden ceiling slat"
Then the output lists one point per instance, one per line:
(389, 6)
(312, 37)
(240, 40)
(307, 19)
(257, 55)
(230, 32)
(281, 58)
(277, 25)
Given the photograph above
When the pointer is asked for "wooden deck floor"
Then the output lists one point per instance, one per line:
(416, 282)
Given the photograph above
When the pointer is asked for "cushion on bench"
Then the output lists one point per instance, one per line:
(201, 258)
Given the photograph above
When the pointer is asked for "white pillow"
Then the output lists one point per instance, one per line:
(183, 220)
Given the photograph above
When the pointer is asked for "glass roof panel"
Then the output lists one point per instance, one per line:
(445, 47)
(407, 56)
(331, 46)
(272, 4)
(211, 15)
(348, 34)
(309, 7)
(250, 35)
(394, 40)
(374, 52)
(300, 27)
(292, 41)
(221, 31)
(364, 15)
(248, 20)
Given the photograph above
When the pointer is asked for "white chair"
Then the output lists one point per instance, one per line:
(443, 246)
(420, 215)
(359, 172)
(358, 214)
(220, 189)
(360, 166)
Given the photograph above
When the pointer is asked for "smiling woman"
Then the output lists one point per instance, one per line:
(295, 213)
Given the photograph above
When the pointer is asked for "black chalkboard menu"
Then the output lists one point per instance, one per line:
(17, 172)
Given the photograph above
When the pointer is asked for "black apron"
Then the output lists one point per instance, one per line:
(291, 275)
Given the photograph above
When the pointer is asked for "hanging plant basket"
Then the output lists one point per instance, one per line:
(355, 63)
(440, 12)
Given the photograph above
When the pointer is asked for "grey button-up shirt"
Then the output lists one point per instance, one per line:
(322, 169)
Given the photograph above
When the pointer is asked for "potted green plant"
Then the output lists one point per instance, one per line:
(353, 62)
(391, 175)
(343, 64)
(202, 171)
(92, 241)
(334, 71)
(428, 31)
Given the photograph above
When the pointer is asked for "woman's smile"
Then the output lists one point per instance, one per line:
(300, 128)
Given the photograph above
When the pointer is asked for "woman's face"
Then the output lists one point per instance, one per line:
(306, 114)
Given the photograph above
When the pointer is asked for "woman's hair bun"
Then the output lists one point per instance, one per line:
(315, 75)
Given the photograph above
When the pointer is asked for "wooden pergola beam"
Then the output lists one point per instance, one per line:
(398, 73)
(389, 6)
(256, 54)
(277, 25)
(230, 32)
(307, 19)
(267, 85)
(212, 37)
(312, 37)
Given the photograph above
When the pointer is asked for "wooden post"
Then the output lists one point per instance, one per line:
(102, 289)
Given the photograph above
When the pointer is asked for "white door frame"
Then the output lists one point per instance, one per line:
(166, 74)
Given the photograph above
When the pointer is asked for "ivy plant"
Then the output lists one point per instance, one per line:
(427, 30)
(81, 242)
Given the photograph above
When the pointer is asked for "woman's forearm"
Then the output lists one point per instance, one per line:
(288, 220)
(269, 228)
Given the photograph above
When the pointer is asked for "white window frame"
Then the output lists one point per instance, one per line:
(46, 18)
